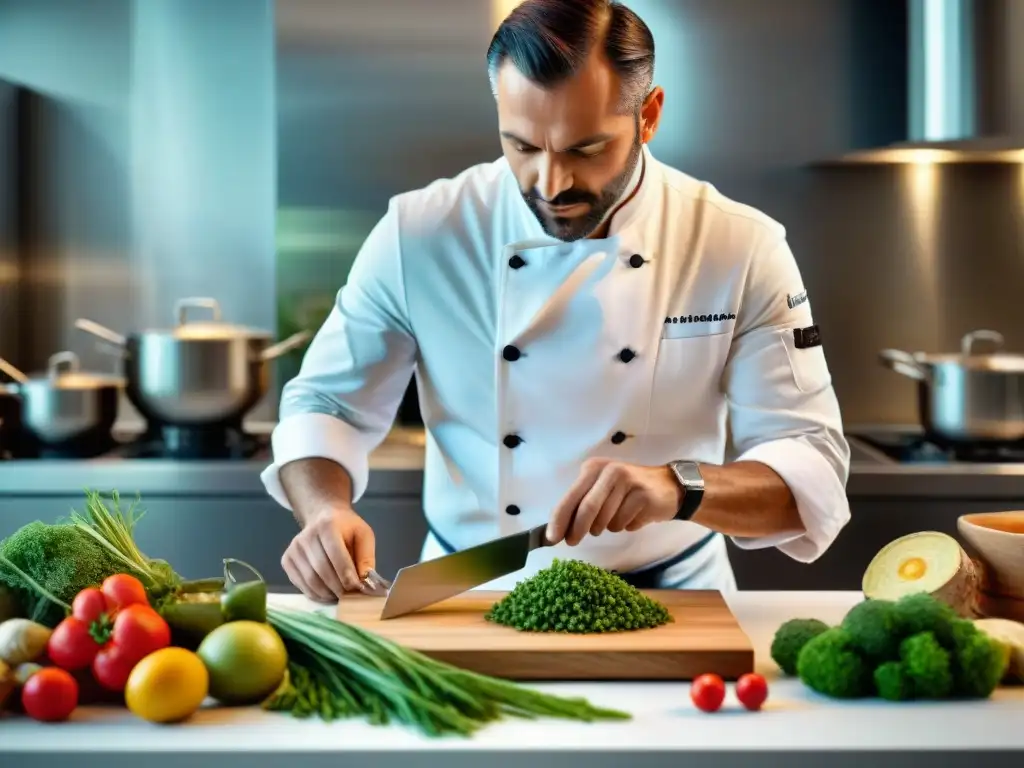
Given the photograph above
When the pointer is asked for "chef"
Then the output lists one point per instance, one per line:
(601, 344)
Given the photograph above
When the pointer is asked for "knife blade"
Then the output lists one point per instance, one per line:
(429, 582)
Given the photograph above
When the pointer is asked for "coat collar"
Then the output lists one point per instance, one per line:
(625, 221)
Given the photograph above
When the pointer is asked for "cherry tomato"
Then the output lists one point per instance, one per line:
(122, 590)
(708, 692)
(50, 695)
(71, 646)
(89, 605)
(112, 667)
(752, 691)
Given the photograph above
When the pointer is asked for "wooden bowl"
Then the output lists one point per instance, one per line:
(997, 539)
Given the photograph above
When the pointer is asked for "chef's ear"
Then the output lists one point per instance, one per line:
(650, 113)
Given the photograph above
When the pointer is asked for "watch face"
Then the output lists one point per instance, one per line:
(688, 473)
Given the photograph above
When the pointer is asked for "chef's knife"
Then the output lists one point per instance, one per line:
(429, 582)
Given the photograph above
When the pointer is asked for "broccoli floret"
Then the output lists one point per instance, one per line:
(892, 682)
(830, 665)
(61, 558)
(928, 666)
(790, 639)
(873, 629)
(920, 612)
(979, 661)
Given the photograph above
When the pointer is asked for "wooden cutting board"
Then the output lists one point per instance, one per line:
(705, 637)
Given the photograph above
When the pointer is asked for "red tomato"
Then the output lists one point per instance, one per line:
(89, 605)
(71, 646)
(752, 691)
(112, 666)
(708, 692)
(123, 589)
(50, 695)
(140, 630)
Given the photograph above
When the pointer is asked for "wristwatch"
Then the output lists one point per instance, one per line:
(687, 474)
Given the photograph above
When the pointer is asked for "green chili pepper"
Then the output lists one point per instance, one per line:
(202, 605)
(243, 600)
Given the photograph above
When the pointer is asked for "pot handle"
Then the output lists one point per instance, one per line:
(114, 342)
(903, 363)
(184, 305)
(62, 362)
(967, 343)
(12, 372)
(294, 341)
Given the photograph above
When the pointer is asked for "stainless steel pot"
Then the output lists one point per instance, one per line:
(64, 406)
(197, 373)
(968, 397)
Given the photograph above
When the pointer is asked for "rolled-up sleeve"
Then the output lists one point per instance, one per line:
(343, 402)
(783, 410)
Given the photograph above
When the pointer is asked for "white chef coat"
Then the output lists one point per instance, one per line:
(679, 336)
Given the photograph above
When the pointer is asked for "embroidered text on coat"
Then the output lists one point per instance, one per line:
(797, 300)
(715, 318)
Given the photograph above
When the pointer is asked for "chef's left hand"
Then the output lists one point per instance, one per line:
(613, 496)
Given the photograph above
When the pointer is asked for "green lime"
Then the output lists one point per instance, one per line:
(246, 661)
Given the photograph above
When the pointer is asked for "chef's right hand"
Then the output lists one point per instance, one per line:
(330, 555)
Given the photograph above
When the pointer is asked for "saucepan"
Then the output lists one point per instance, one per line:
(970, 397)
(65, 406)
(198, 372)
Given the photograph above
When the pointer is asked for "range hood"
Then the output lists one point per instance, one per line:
(965, 74)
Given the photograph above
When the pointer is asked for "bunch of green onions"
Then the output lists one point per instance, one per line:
(338, 670)
(114, 530)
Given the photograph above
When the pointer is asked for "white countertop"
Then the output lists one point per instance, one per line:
(664, 719)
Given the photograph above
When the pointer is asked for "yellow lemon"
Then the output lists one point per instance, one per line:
(167, 686)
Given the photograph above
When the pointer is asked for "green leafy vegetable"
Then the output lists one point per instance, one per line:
(61, 559)
(916, 647)
(830, 665)
(573, 596)
(338, 670)
(927, 665)
(920, 612)
(892, 682)
(790, 639)
(114, 530)
(873, 629)
(979, 661)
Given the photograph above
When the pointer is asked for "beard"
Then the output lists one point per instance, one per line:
(567, 228)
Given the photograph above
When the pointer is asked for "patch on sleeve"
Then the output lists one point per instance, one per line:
(807, 338)
(795, 300)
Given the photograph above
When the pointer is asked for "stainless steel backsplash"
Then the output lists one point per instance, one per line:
(372, 99)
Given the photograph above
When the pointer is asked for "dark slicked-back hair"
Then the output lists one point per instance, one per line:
(549, 40)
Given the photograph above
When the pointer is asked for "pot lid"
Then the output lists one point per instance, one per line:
(969, 357)
(212, 329)
(999, 363)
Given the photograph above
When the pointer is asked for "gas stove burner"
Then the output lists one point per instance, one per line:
(71, 453)
(83, 449)
(919, 449)
(991, 454)
(208, 442)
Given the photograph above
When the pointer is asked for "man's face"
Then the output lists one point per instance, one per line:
(571, 148)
